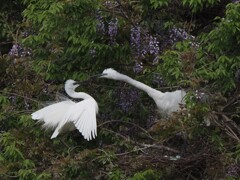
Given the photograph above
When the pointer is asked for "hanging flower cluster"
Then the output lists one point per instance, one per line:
(18, 51)
(113, 30)
(127, 98)
(143, 46)
(178, 34)
(101, 29)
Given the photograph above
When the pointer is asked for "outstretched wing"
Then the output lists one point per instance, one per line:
(83, 116)
(53, 114)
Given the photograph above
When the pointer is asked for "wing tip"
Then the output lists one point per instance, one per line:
(90, 137)
(54, 135)
(35, 116)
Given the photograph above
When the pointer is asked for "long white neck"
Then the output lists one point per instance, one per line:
(150, 91)
(80, 95)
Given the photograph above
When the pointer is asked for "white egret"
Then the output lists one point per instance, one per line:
(68, 115)
(166, 102)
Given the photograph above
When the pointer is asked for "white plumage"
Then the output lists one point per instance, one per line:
(68, 115)
(166, 102)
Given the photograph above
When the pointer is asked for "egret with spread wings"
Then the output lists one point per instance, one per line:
(68, 115)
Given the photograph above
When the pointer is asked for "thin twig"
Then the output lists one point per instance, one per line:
(157, 146)
(145, 131)
(231, 133)
(24, 97)
(3, 43)
(128, 152)
(228, 120)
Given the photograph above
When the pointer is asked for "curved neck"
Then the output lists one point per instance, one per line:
(80, 95)
(150, 91)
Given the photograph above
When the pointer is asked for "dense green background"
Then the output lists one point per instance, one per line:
(60, 39)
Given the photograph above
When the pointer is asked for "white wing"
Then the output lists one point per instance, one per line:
(53, 114)
(83, 116)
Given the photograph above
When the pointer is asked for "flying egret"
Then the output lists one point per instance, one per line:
(166, 102)
(68, 115)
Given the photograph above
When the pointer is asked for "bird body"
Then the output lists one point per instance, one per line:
(69, 115)
(166, 102)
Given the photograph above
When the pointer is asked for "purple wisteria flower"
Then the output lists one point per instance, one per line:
(201, 96)
(135, 38)
(27, 32)
(113, 29)
(18, 51)
(14, 51)
(127, 98)
(233, 170)
(153, 45)
(100, 23)
(178, 34)
(143, 44)
(138, 67)
(111, 4)
(158, 79)
(150, 46)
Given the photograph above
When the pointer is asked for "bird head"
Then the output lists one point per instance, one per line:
(110, 74)
(71, 85)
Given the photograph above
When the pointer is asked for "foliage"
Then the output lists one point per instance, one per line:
(10, 17)
(214, 59)
(156, 4)
(147, 174)
(199, 5)
(221, 43)
(12, 160)
(160, 43)
(75, 48)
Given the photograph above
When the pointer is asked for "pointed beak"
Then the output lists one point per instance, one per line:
(77, 83)
(98, 75)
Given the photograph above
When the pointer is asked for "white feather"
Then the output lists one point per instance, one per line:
(167, 102)
(83, 116)
(51, 114)
(68, 115)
